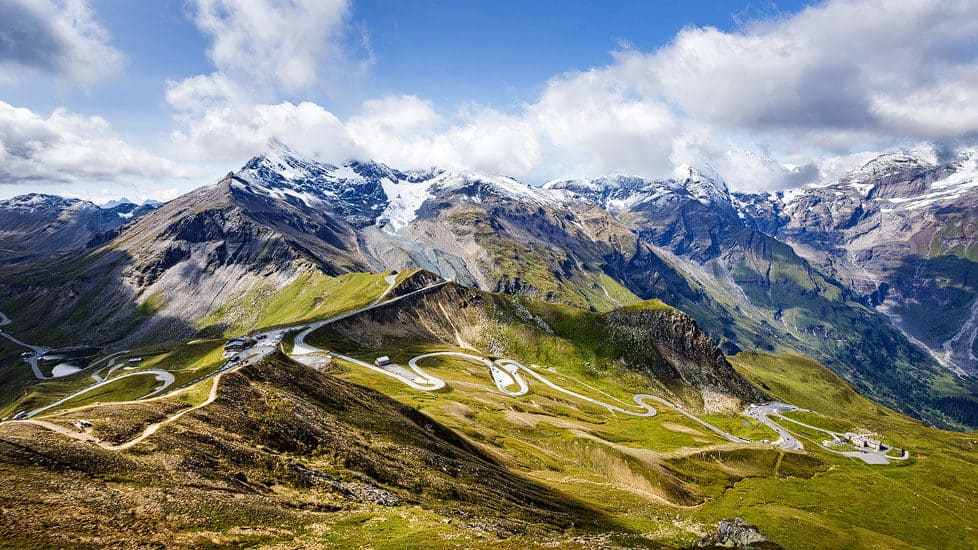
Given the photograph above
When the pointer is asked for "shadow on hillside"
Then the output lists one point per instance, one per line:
(76, 300)
(430, 462)
(80, 300)
(941, 292)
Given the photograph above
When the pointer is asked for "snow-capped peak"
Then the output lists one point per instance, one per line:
(500, 186)
(862, 177)
(621, 193)
(108, 205)
(36, 201)
(706, 188)
(365, 192)
(372, 191)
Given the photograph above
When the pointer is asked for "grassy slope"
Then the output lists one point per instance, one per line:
(645, 472)
(922, 502)
(534, 269)
(311, 296)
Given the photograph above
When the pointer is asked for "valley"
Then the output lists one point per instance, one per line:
(566, 428)
(355, 354)
(389, 275)
(752, 271)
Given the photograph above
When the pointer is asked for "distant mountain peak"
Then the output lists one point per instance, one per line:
(704, 185)
(32, 201)
(619, 193)
(277, 145)
(108, 205)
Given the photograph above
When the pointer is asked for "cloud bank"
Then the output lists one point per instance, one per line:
(65, 147)
(55, 38)
(764, 105)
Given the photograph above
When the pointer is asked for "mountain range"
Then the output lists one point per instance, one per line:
(303, 354)
(873, 274)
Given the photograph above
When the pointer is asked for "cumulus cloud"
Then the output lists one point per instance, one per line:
(65, 147)
(407, 132)
(233, 132)
(262, 50)
(829, 67)
(272, 44)
(762, 105)
(54, 37)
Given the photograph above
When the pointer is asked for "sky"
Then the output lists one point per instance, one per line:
(107, 98)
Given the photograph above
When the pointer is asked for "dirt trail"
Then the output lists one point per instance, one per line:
(148, 431)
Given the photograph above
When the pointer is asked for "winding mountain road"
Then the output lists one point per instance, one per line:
(111, 367)
(508, 375)
(300, 347)
(267, 343)
(762, 412)
(163, 376)
(38, 350)
(148, 431)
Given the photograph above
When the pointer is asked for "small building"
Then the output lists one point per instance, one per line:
(866, 441)
(27, 354)
(383, 361)
(135, 360)
(874, 444)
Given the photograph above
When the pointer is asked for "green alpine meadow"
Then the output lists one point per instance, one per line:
(329, 274)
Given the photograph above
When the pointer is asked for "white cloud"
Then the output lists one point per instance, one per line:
(828, 68)
(54, 37)
(595, 122)
(762, 105)
(400, 115)
(201, 92)
(66, 147)
(262, 50)
(407, 132)
(234, 132)
(944, 110)
(270, 44)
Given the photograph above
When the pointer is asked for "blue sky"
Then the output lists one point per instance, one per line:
(149, 99)
(502, 53)
(498, 53)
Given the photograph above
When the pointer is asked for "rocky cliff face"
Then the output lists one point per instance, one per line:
(900, 232)
(690, 357)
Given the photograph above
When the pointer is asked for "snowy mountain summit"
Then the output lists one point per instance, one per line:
(370, 192)
(619, 194)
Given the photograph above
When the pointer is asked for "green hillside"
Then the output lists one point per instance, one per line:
(345, 455)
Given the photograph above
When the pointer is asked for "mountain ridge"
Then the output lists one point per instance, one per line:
(597, 244)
